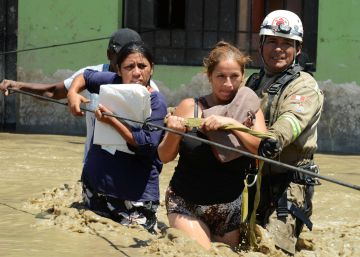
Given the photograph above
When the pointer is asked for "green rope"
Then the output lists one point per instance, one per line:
(196, 123)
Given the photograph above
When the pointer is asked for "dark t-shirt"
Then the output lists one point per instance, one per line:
(201, 178)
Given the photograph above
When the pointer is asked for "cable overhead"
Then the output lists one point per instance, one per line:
(52, 46)
(65, 44)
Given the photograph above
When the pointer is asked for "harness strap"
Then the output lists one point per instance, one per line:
(253, 241)
(249, 191)
(284, 207)
(298, 213)
(268, 109)
(254, 80)
(196, 111)
(245, 203)
(283, 80)
(282, 210)
(250, 203)
(196, 107)
(276, 88)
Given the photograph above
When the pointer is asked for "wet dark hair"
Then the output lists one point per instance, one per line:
(134, 47)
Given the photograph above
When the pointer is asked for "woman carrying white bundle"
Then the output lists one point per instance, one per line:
(122, 185)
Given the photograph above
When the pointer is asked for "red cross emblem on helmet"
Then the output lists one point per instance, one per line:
(280, 20)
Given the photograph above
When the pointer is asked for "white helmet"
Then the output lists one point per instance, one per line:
(282, 23)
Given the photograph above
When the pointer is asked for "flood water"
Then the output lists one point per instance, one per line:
(42, 215)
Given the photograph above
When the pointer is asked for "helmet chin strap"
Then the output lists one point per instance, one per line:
(261, 52)
(262, 57)
(295, 54)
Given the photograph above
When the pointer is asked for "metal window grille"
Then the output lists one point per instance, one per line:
(181, 32)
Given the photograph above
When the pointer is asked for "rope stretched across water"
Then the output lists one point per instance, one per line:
(195, 122)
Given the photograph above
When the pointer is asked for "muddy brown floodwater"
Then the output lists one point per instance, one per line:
(42, 214)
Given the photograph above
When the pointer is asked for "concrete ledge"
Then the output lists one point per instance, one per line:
(339, 127)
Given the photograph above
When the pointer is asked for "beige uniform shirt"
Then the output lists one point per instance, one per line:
(294, 115)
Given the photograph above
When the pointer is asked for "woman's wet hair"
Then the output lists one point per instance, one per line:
(222, 51)
(134, 47)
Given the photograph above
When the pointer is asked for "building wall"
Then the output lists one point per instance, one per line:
(338, 41)
(68, 21)
(44, 23)
(47, 23)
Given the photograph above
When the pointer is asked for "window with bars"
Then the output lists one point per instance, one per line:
(181, 32)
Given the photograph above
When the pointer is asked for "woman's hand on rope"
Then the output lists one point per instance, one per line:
(215, 122)
(74, 102)
(99, 114)
(6, 84)
(175, 122)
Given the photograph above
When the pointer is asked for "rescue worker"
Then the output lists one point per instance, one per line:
(291, 102)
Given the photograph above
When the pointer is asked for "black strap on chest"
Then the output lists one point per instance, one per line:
(196, 111)
(253, 82)
(279, 84)
(285, 78)
(276, 87)
(196, 107)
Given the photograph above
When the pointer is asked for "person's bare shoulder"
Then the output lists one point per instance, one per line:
(185, 108)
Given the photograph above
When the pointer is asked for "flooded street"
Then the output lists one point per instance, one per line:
(42, 214)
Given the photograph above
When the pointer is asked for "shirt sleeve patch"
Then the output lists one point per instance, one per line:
(298, 107)
(298, 98)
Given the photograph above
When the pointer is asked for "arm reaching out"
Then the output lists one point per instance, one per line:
(73, 96)
(55, 91)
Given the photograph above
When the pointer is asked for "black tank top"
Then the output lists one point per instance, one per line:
(201, 179)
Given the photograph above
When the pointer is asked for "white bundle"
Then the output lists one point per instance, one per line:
(130, 101)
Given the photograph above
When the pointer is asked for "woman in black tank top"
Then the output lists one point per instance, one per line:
(204, 196)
